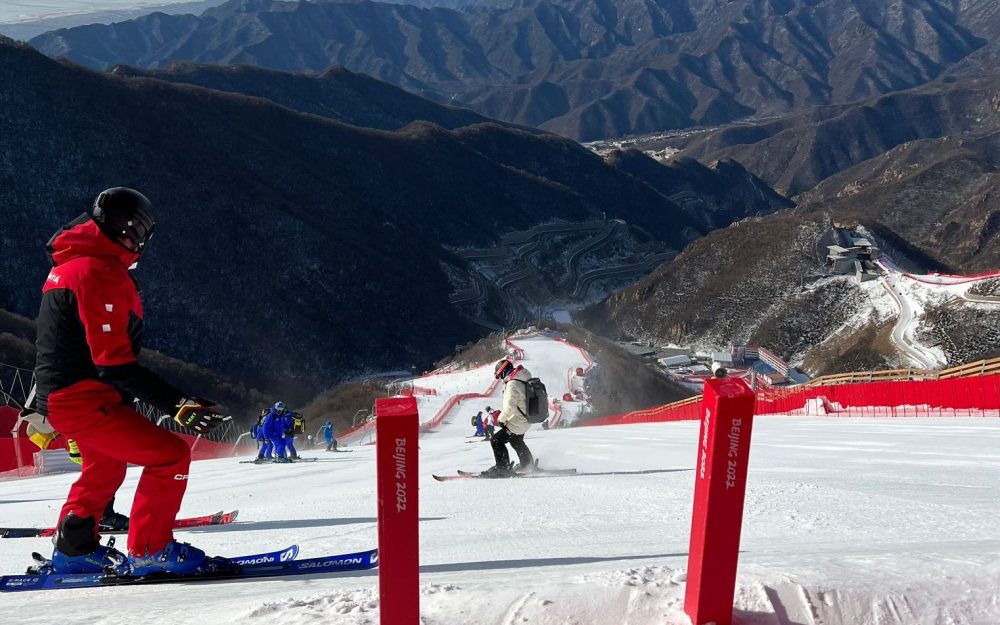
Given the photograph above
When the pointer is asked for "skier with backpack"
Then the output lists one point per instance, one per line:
(293, 424)
(263, 443)
(524, 402)
(478, 422)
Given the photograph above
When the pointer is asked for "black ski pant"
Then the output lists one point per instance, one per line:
(499, 442)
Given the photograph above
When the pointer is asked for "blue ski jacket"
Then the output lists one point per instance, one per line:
(274, 425)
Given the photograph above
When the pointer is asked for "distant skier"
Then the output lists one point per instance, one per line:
(490, 422)
(274, 430)
(478, 422)
(292, 422)
(264, 445)
(513, 421)
(89, 332)
(331, 444)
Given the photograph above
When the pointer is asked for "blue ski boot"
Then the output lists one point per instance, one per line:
(177, 558)
(77, 548)
(104, 559)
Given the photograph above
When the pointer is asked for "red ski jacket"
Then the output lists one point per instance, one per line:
(90, 326)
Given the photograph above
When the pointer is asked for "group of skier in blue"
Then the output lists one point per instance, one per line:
(275, 433)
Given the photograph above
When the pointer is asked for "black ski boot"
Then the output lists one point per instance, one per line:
(114, 522)
(497, 472)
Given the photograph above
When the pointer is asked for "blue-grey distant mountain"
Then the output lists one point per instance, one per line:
(337, 93)
(586, 69)
(797, 152)
(292, 250)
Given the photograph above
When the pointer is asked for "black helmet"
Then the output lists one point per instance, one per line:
(503, 368)
(123, 212)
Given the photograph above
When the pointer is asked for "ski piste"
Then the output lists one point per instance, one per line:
(219, 518)
(273, 564)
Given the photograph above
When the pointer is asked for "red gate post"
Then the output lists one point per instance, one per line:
(720, 485)
(397, 430)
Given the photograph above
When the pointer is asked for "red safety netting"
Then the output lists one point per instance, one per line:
(955, 397)
(10, 466)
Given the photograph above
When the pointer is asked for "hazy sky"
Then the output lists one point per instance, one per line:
(24, 19)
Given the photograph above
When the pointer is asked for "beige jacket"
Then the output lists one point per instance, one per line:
(515, 402)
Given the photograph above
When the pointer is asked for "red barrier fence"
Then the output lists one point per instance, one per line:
(453, 401)
(972, 396)
(685, 410)
(201, 449)
(417, 390)
(948, 278)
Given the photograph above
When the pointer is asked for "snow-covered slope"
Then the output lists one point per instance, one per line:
(915, 295)
(848, 522)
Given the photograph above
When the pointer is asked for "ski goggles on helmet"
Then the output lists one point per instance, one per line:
(503, 369)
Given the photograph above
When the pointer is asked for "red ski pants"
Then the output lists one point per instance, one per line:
(109, 439)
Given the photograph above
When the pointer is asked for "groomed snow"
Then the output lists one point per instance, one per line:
(848, 521)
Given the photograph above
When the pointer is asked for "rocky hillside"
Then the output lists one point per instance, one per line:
(795, 153)
(940, 195)
(919, 167)
(586, 69)
(716, 195)
(762, 282)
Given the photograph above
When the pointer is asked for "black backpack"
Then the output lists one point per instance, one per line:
(537, 399)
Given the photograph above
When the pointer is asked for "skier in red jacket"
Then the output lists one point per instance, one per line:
(89, 332)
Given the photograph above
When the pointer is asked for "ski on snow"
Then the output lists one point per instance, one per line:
(290, 461)
(274, 564)
(479, 475)
(219, 518)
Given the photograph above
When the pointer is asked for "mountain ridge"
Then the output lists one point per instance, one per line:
(587, 69)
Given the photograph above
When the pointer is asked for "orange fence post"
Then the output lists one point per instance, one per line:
(397, 432)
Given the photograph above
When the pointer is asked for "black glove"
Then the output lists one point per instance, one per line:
(197, 414)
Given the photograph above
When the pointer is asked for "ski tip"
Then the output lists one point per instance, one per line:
(233, 515)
